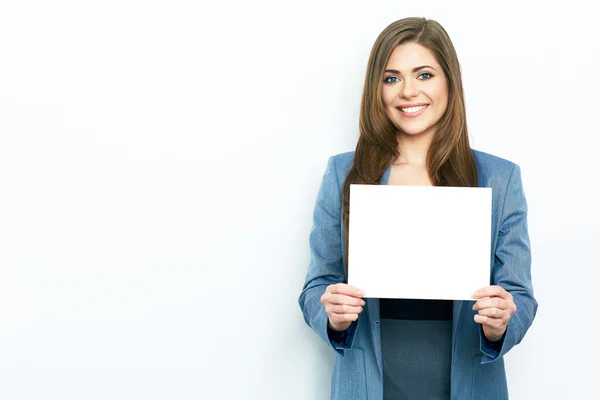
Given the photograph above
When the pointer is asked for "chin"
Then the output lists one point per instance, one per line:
(413, 131)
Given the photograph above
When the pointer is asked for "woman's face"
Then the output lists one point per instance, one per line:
(415, 91)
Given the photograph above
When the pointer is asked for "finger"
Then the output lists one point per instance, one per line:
(341, 318)
(492, 302)
(491, 291)
(494, 312)
(491, 322)
(343, 309)
(343, 288)
(343, 299)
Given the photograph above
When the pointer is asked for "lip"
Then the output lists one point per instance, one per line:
(412, 115)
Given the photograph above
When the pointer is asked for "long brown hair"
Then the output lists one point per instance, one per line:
(449, 158)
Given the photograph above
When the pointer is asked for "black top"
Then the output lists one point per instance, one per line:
(418, 310)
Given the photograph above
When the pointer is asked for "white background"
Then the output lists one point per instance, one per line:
(159, 163)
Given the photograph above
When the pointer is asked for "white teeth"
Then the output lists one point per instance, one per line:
(412, 109)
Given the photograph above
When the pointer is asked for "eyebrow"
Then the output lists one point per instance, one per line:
(395, 71)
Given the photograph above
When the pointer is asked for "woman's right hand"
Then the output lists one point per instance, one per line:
(342, 304)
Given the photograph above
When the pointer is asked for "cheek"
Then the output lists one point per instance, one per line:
(387, 97)
(439, 95)
(444, 99)
(443, 96)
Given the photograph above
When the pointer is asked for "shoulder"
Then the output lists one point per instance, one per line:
(492, 161)
(489, 166)
(341, 164)
(493, 167)
(344, 160)
(333, 180)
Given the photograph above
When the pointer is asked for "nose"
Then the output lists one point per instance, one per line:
(409, 89)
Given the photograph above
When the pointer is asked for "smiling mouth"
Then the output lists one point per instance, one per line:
(411, 110)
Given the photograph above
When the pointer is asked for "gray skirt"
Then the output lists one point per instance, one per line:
(416, 359)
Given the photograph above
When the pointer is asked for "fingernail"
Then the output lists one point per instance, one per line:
(361, 293)
(476, 294)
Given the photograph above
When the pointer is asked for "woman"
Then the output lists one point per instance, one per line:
(413, 131)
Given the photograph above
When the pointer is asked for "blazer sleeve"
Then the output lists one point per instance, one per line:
(326, 261)
(512, 269)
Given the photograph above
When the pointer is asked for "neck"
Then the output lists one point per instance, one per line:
(413, 149)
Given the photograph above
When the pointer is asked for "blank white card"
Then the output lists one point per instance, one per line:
(419, 242)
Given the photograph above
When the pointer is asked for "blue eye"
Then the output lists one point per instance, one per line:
(387, 80)
(428, 76)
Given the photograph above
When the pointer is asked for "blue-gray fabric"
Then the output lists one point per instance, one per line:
(477, 366)
(416, 343)
(416, 359)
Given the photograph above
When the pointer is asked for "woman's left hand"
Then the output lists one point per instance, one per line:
(495, 307)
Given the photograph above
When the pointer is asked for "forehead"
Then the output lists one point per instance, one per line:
(410, 55)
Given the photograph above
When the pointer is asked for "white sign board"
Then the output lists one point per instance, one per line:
(419, 242)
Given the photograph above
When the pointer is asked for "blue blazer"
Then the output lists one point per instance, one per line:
(477, 370)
